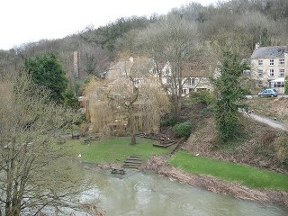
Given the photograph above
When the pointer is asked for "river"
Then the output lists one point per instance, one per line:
(136, 193)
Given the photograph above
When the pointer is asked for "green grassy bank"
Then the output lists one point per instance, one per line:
(116, 150)
(113, 150)
(249, 176)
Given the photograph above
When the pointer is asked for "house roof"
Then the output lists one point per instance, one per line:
(269, 52)
(195, 69)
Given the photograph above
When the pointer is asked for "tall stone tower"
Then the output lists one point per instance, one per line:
(76, 64)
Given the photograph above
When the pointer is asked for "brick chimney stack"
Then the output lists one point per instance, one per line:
(76, 64)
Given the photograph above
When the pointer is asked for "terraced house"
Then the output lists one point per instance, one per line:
(269, 66)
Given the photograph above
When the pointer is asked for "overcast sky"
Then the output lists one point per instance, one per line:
(24, 21)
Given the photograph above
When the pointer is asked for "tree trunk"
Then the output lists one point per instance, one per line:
(133, 139)
(132, 128)
(176, 101)
(13, 211)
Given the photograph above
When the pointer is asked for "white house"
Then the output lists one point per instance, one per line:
(194, 77)
(269, 66)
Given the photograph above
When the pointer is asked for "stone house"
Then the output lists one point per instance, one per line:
(269, 66)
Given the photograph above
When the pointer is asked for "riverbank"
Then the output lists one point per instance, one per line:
(159, 165)
(111, 153)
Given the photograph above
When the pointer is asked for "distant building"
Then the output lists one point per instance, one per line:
(269, 66)
(194, 78)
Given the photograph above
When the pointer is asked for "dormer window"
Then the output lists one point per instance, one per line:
(281, 61)
(271, 62)
(260, 62)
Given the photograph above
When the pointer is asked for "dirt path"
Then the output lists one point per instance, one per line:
(272, 123)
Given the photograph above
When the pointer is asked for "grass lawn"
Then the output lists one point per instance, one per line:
(113, 150)
(249, 176)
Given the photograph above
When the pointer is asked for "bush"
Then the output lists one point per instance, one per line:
(206, 112)
(182, 129)
(70, 100)
(169, 120)
(203, 97)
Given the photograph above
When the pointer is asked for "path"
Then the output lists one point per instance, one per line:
(272, 123)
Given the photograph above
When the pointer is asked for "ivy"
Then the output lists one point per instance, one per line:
(229, 94)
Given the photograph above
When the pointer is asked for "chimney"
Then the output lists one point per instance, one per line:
(76, 64)
(257, 45)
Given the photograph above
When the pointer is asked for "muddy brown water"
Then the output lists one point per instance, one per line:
(136, 193)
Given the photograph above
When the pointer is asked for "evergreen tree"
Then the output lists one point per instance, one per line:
(46, 71)
(229, 94)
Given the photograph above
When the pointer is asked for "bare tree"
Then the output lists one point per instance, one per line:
(171, 41)
(33, 171)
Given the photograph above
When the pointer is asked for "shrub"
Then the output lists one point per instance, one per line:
(204, 97)
(206, 112)
(182, 129)
(169, 120)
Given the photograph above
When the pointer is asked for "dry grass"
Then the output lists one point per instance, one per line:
(270, 107)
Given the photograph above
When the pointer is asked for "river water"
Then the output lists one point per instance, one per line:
(136, 193)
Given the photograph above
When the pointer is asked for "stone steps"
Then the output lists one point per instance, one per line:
(133, 162)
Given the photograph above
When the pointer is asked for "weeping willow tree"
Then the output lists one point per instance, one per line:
(127, 103)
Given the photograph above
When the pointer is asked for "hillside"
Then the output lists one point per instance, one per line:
(225, 23)
(256, 144)
(273, 108)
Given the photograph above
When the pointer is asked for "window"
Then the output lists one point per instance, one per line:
(260, 61)
(271, 62)
(260, 73)
(191, 81)
(279, 84)
(184, 91)
(271, 72)
(260, 84)
(282, 72)
(281, 61)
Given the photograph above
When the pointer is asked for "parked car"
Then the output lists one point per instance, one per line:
(270, 92)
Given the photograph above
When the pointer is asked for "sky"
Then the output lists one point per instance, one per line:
(25, 21)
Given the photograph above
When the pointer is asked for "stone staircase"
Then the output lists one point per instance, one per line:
(133, 162)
